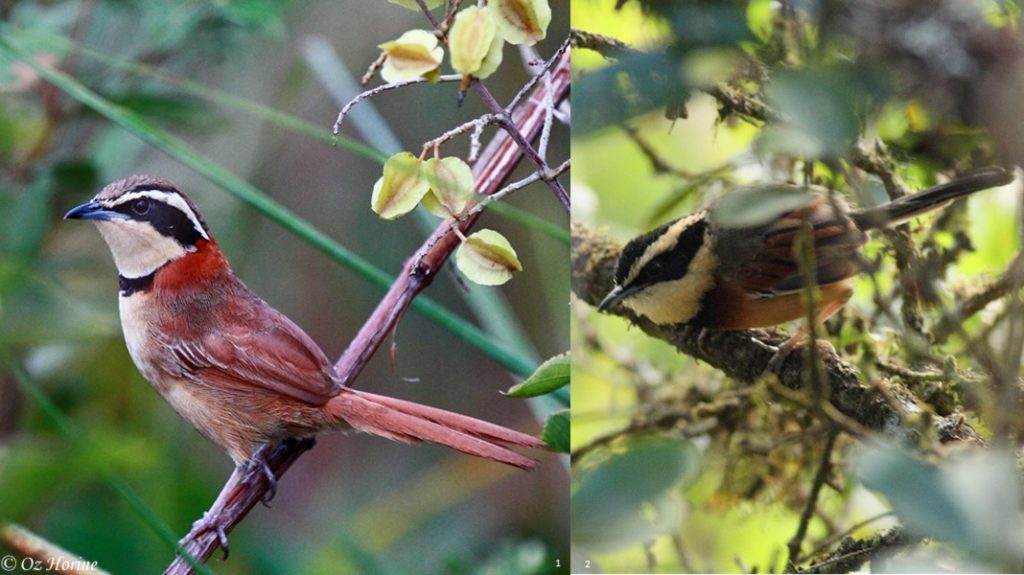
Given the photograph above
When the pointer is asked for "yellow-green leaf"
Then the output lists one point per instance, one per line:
(521, 21)
(487, 258)
(412, 5)
(433, 206)
(414, 54)
(551, 375)
(493, 58)
(451, 184)
(401, 187)
(470, 39)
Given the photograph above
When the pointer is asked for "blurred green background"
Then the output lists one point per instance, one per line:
(730, 499)
(355, 503)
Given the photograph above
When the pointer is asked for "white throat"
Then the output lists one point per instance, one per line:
(137, 247)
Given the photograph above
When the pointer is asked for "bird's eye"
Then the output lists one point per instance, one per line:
(141, 206)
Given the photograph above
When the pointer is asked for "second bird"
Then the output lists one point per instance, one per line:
(700, 272)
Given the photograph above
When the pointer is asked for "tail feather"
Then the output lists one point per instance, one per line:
(410, 422)
(911, 206)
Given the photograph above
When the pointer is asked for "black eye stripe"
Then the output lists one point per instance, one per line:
(666, 266)
(165, 218)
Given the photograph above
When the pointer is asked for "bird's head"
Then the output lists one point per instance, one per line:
(664, 273)
(147, 222)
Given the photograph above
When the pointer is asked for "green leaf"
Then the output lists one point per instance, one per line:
(413, 55)
(556, 431)
(632, 496)
(973, 500)
(757, 205)
(401, 187)
(819, 111)
(551, 375)
(487, 258)
(521, 21)
(470, 39)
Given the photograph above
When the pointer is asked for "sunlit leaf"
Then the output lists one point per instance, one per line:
(487, 258)
(451, 184)
(413, 55)
(551, 375)
(470, 39)
(521, 21)
(556, 431)
(401, 187)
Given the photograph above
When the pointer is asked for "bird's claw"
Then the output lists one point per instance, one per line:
(779, 355)
(259, 465)
(208, 523)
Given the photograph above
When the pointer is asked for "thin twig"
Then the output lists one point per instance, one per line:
(604, 45)
(531, 154)
(474, 142)
(536, 176)
(385, 88)
(794, 544)
(477, 125)
(854, 553)
(551, 64)
(849, 531)
(371, 71)
(549, 112)
(430, 16)
(1012, 279)
(43, 555)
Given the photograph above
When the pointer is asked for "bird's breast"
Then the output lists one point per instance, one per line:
(138, 316)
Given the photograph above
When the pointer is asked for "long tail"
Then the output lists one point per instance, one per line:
(914, 205)
(410, 422)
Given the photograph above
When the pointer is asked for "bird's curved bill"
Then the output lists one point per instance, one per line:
(92, 211)
(615, 296)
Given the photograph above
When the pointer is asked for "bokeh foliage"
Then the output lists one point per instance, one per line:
(677, 104)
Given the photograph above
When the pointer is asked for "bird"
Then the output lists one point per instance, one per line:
(701, 272)
(241, 372)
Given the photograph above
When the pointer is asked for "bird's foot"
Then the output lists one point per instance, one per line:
(209, 522)
(258, 466)
(702, 337)
(779, 352)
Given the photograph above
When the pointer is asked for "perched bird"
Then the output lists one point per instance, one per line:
(701, 272)
(235, 368)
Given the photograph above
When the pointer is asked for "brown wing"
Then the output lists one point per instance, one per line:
(770, 267)
(265, 351)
